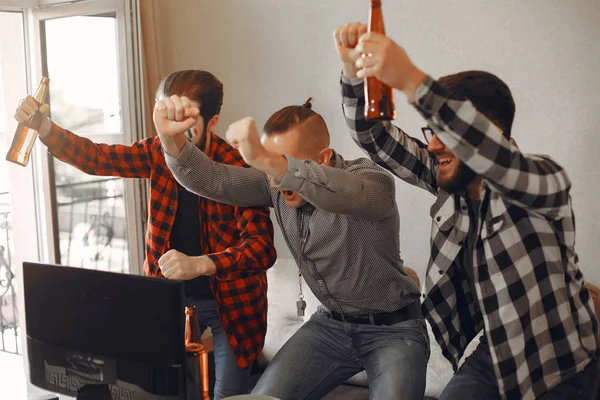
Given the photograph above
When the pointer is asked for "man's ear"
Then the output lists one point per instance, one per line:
(212, 124)
(325, 156)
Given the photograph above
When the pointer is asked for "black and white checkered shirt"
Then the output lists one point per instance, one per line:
(531, 301)
(345, 241)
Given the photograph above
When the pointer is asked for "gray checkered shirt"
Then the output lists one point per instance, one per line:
(531, 300)
(346, 240)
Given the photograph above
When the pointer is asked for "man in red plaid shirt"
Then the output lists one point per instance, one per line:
(221, 251)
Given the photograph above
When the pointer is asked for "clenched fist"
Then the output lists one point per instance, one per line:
(346, 39)
(176, 265)
(33, 116)
(244, 136)
(174, 115)
(378, 56)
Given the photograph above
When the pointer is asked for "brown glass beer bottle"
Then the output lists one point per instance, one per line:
(379, 98)
(196, 359)
(24, 139)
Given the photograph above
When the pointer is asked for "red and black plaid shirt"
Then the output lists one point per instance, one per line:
(239, 240)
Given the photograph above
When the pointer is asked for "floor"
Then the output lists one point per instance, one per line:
(13, 384)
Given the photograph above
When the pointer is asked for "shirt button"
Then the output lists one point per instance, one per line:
(441, 272)
(438, 218)
(424, 295)
(171, 208)
(163, 234)
(297, 174)
(464, 208)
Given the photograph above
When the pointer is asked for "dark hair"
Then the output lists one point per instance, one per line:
(488, 93)
(291, 116)
(197, 85)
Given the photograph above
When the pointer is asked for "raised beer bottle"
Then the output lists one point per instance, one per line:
(379, 98)
(196, 359)
(25, 136)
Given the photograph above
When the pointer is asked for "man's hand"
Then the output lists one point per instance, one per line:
(243, 135)
(176, 265)
(378, 56)
(172, 117)
(346, 39)
(33, 116)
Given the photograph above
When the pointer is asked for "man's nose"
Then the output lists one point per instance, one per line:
(435, 145)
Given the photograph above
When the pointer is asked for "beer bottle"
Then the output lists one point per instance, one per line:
(196, 359)
(379, 98)
(25, 136)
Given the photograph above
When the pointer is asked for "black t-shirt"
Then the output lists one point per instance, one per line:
(468, 249)
(469, 245)
(186, 237)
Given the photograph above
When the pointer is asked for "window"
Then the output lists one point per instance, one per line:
(85, 99)
(12, 86)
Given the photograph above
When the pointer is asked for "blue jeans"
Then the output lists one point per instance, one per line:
(230, 379)
(475, 380)
(326, 352)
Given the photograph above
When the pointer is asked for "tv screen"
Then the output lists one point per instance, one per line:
(90, 333)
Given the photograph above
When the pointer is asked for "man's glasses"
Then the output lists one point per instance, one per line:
(427, 134)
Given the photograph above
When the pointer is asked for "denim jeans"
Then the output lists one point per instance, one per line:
(326, 352)
(475, 380)
(230, 379)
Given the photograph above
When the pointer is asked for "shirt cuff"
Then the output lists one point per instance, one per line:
(221, 262)
(295, 176)
(356, 85)
(182, 158)
(53, 136)
(427, 97)
(352, 81)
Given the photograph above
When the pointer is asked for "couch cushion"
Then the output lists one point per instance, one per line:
(282, 318)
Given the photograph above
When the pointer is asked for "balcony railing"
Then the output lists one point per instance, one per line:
(92, 225)
(9, 318)
(92, 234)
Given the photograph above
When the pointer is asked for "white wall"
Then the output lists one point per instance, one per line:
(272, 53)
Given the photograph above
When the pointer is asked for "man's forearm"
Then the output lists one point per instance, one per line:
(204, 265)
(230, 184)
(416, 79)
(366, 193)
(535, 182)
(173, 145)
(272, 164)
(386, 144)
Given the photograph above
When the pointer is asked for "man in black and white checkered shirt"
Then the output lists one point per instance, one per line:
(503, 232)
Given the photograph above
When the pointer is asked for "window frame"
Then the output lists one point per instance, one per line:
(132, 122)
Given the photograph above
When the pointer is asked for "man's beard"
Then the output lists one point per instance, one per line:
(202, 144)
(464, 176)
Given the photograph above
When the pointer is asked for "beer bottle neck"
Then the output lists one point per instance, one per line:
(41, 93)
